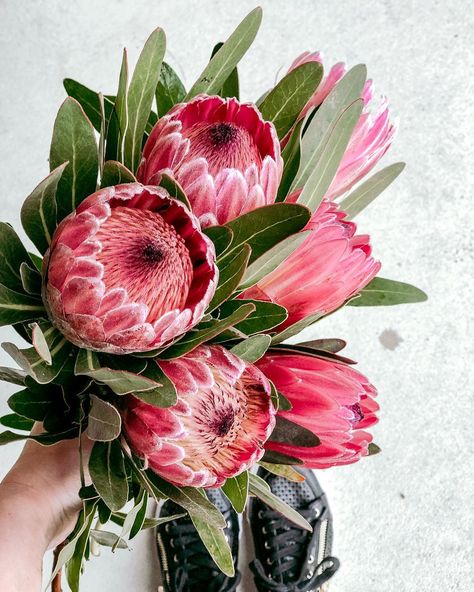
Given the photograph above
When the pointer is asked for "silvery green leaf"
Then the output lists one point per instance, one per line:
(217, 544)
(221, 236)
(108, 539)
(107, 470)
(296, 328)
(12, 255)
(104, 422)
(288, 432)
(230, 88)
(169, 90)
(12, 375)
(221, 65)
(232, 267)
(40, 343)
(115, 173)
(236, 489)
(73, 142)
(285, 471)
(252, 348)
(384, 292)
(266, 315)
(17, 308)
(30, 279)
(365, 193)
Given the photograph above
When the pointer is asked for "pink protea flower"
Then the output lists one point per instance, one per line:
(329, 398)
(332, 265)
(216, 429)
(128, 271)
(371, 137)
(226, 158)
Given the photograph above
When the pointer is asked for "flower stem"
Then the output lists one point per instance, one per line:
(56, 583)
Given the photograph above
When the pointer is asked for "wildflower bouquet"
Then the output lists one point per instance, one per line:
(181, 238)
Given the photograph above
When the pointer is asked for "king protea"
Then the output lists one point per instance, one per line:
(224, 155)
(329, 398)
(329, 267)
(216, 429)
(371, 137)
(128, 271)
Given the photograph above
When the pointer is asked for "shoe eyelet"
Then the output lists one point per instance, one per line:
(167, 527)
(310, 575)
(172, 543)
(264, 530)
(175, 558)
(260, 514)
(311, 559)
(266, 545)
(317, 512)
(229, 525)
(269, 561)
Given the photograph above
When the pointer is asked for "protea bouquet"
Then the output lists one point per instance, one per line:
(181, 238)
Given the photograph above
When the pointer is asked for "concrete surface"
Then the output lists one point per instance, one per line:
(404, 518)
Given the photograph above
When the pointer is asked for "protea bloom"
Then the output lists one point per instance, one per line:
(216, 429)
(128, 271)
(226, 158)
(331, 399)
(371, 137)
(329, 267)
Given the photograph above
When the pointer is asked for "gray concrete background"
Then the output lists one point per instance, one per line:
(404, 518)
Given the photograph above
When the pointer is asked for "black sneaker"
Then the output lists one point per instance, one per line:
(186, 565)
(288, 558)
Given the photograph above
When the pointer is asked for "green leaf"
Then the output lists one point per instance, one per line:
(216, 543)
(328, 156)
(221, 65)
(31, 404)
(230, 88)
(140, 96)
(89, 101)
(346, 91)
(272, 259)
(291, 158)
(115, 173)
(17, 422)
(174, 189)
(30, 279)
(365, 194)
(45, 439)
(108, 539)
(162, 395)
(285, 102)
(107, 470)
(236, 489)
(118, 119)
(288, 432)
(296, 328)
(279, 458)
(12, 375)
(40, 343)
(34, 365)
(122, 382)
(373, 449)
(221, 236)
(231, 271)
(74, 565)
(332, 344)
(188, 498)
(253, 348)
(265, 316)
(104, 422)
(139, 516)
(17, 308)
(285, 471)
(264, 227)
(200, 335)
(384, 292)
(73, 142)
(12, 255)
(311, 351)
(169, 91)
(260, 489)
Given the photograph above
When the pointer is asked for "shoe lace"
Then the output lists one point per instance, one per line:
(286, 546)
(197, 570)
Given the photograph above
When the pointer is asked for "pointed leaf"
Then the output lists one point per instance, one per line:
(74, 566)
(217, 544)
(365, 194)
(270, 260)
(17, 308)
(253, 348)
(118, 118)
(328, 156)
(230, 88)
(260, 489)
(279, 458)
(107, 470)
(288, 432)
(73, 141)
(384, 292)
(104, 422)
(31, 404)
(174, 189)
(236, 489)
(285, 102)
(169, 91)
(264, 227)
(89, 101)
(296, 328)
(12, 375)
(40, 344)
(45, 439)
(30, 279)
(115, 173)
(291, 154)
(373, 449)
(17, 422)
(164, 393)
(265, 316)
(332, 344)
(231, 271)
(12, 255)
(140, 96)
(197, 336)
(221, 236)
(346, 91)
(285, 471)
(226, 59)
(108, 539)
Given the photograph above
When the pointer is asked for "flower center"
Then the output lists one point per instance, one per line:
(144, 255)
(223, 145)
(222, 425)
